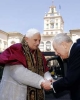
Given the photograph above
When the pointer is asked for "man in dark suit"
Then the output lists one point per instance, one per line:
(66, 49)
(78, 40)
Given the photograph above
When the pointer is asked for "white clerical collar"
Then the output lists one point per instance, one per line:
(70, 49)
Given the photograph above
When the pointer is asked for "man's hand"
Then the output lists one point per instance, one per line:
(46, 84)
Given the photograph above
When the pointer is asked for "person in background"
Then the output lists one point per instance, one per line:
(25, 69)
(66, 49)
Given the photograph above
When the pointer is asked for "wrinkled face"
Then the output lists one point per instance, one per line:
(61, 50)
(34, 41)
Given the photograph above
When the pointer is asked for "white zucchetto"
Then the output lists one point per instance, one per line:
(31, 32)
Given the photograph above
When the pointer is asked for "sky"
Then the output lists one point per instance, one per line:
(21, 15)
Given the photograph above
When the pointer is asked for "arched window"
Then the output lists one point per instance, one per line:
(48, 45)
(52, 25)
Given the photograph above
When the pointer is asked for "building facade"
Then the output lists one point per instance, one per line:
(7, 39)
(53, 24)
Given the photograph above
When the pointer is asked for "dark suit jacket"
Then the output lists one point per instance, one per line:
(72, 80)
(78, 40)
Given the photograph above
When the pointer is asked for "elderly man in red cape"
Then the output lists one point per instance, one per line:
(24, 69)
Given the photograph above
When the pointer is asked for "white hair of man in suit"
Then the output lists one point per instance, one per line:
(62, 44)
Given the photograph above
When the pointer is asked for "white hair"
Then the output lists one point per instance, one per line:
(31, 32)
(62, 37)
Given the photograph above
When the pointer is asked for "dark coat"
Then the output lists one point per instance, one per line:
(78, 40)
(72, 80)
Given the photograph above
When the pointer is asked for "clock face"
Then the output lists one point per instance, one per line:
(52, 20)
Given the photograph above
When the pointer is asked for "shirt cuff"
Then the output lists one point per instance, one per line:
(52, 87)
(48, 76)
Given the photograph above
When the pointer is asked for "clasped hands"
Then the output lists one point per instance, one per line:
(46, 85)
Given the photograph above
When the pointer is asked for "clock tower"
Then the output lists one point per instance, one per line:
(53, 22)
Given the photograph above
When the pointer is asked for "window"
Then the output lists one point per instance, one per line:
(47, 26)
(48, 45)
(52, 10)
(51, 32)
(52, 25)
(56, 24)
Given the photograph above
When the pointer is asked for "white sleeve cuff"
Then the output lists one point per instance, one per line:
(47, 75)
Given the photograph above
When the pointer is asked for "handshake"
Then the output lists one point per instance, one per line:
(47, 84)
